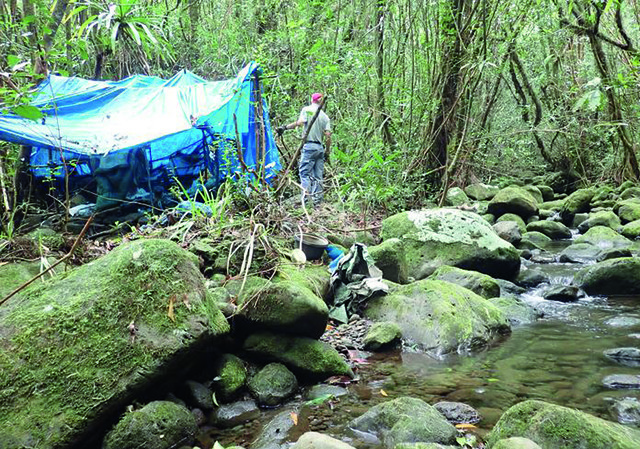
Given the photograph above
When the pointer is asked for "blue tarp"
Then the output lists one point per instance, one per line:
(168, 129)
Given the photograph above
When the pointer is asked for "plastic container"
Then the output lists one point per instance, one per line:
(313, 245)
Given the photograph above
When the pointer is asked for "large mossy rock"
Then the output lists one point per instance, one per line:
(516, 443)
(13, 275)
(515, 200)
(284, 306)
(439, 316)
(631, 230)
(390, 258)
(158, 425)
(273, 384)
(603, 218)
(481, 192)
(405, 420)
(552, 229)
(315, 440)
(535, 193)
(304, 356)
(555, 427)
(611, 277)
(522, 226)
(578, 201)
(628, 210)
(232, 376)
(437, 237)
(603, 238)
(479, 283)
(456, 197)
(89, 340)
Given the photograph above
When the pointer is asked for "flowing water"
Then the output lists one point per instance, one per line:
(559, 359)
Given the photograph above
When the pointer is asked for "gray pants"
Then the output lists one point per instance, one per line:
(311, 171)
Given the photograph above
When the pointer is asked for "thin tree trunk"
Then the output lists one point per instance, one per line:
(383, 118)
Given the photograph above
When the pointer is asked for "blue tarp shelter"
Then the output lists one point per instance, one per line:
(134, 137)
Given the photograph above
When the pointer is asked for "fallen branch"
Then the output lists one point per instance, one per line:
(64, 259)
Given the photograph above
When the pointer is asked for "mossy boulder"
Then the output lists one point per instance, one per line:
(93, 337)
(439, 316)
(603, 218)
(603, 238)
(304, 356)
(478, 283)
(389, 256)
(611, 277)
(516, 310)
(481, 192)
(14, 274)
(578, 201)
(580, 253)
(552, 229)
(555, 427)
(42, 240)
(405, 420)
(315, 440)
(456, 197)
(508, 231)
(232, 374)
(547, 192)
(515, 200)
(158, 425)
(535, 192)
(631, 192)
(516, 443)
(628, 210)
(314, 277)
(284, 306)
(381, 336)
(273, 384)
(437, 237)
(631, 230)
(513, 218)
(555, 205)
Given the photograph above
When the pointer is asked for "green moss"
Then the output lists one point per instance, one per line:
(553, 426)
(604, 238)
(158, 425)
(513, 217)
(314, 277)
(478, 283)
(390, 257)
(513, 199)
(578, 201)
(382, 335)
(69, 340)
(272, 384)
(233, 375)
(303, 356)
(612, 277)
(631, 230)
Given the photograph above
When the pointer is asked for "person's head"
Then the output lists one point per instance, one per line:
(316, 98)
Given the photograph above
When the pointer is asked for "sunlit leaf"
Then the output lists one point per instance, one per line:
(170, 312)
(294, 418)
(28, 112)
(383, 393)
(465, 426)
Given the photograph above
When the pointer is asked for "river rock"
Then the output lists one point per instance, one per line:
(628, 210)
(514, 200)
(231, 415)
(158, 425)
(579, 201)
(536, 237)
(437, 237)
(625, 185)
(578, 219)
(315, 440)
(509, 217)
(626, 411)
(405, 420)
(613, 253)
(562, 293)
(531, 278)
(631, 192)
(625, 356)
(284, 306)
(231, 376)
(390, 258)
(546, 191)
(552, 229)
(273, 384)
(481, 192)
(381, 336)
(277, 432)
(631, 230)
(479, 283)
(509, 231)
(622, 381)
(439, 316)
(611, 277)
(516, 443)
(456, 197)
(553, 205)
(458, 412)
(604, 238)
(516, 310)
(304, 356)
(555, 427)
(604, 218)
(535, 193)
(198, 395)
(13, 275)
(509, 288)
(580, 253)
(117, 324)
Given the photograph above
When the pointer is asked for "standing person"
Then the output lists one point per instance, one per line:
(313, 155)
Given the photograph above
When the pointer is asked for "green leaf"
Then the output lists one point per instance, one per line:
(215, 400)
(217, 445)
(114, 36)
(28, 112)
(12, 60)
(134, 32)
(320, 400)
(493, 379)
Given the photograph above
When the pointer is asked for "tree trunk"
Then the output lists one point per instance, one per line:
(383, 117)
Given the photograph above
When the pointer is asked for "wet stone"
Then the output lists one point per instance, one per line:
(627, 411)
(199, 416)
(458, 412)
(563, 293)
(623, 321)
(613, 253)
(199, 395)
(622, 381)
(230, 415)
(624, 356)
(531, 278)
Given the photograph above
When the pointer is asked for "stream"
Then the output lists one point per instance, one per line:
(558, 358)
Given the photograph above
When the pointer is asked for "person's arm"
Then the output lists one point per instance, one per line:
(294, 125)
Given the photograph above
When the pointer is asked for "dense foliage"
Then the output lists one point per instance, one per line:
(423, 95)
